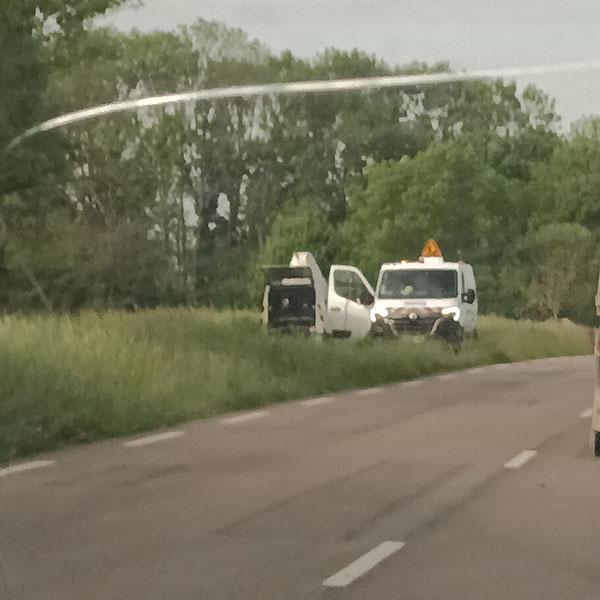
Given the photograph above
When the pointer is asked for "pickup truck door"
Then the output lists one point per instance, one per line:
(349, 302)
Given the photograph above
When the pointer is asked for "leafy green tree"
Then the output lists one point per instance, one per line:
(299, 226)
(23, 78)
(167, 169)
(567, 187)
(446, 192)
(560, 254)
(29, 172)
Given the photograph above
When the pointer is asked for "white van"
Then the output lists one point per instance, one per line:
(426, 297)
(431, 297)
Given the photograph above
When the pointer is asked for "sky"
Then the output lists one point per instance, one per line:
(470, 34)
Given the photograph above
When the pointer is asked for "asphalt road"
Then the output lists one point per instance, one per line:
(478, 485)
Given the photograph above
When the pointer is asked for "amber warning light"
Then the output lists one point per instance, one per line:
(431, 249)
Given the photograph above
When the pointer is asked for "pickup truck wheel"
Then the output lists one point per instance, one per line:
(456, 340)
(459, 337)
(597, 443)
(456, 347)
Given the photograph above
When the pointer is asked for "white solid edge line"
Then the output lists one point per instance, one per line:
(317, 401)
(363, 564)
(519, 460)
(251, 416)
(153, 439)
(28, 466)
(369, 392)
(587, 413)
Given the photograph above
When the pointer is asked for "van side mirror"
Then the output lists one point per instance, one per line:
(469, 296)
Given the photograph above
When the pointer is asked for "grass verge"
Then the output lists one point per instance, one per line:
(79, 379)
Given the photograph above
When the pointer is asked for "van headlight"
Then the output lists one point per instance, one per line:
(452, 311)
(378, 312)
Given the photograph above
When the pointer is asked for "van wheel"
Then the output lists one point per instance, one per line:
(457, 340)
(597, 443)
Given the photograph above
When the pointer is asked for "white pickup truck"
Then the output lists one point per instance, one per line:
(425, 297)
(298, 298)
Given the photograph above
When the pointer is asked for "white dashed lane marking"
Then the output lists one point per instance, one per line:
(369, 392)
(477, 370)
(413, 383)
(317, 401)
(587, 413)
(245, 418)
(521, 459)
(153, 439)
(23, 467)
(447, 377)
(363, 564)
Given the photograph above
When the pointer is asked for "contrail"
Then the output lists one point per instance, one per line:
(300, 87)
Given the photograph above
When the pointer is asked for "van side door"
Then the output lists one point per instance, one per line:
(349, 301)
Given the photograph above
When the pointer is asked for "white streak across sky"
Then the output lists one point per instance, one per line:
(300, 87)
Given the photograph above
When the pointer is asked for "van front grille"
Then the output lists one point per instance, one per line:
(421, 326)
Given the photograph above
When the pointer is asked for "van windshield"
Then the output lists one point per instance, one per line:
(418, 283)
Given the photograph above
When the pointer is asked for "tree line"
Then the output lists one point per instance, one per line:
(183, 205)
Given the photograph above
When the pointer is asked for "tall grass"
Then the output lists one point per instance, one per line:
(78, 379)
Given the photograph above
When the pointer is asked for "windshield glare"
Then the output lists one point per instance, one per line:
(408, 284)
